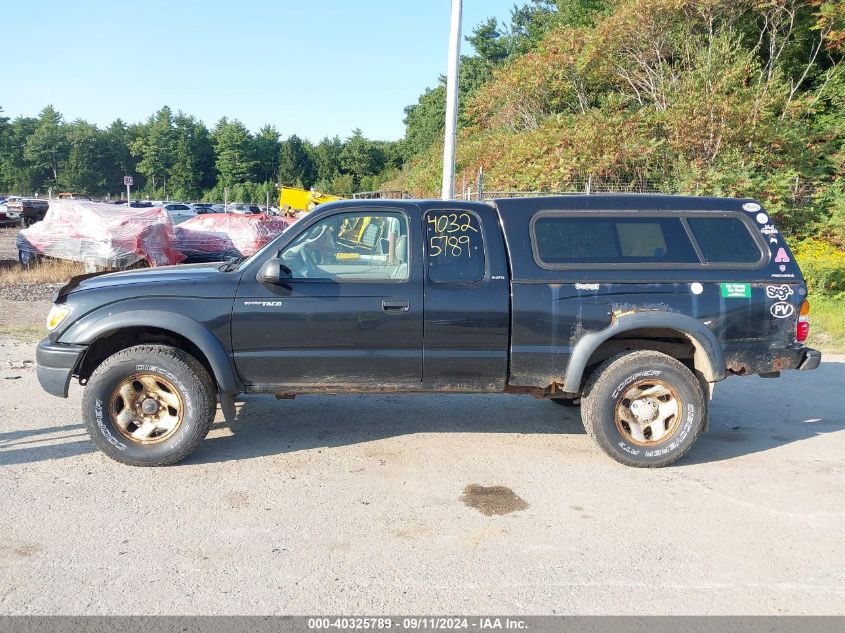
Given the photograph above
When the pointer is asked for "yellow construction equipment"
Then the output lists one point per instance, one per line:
(302, 199)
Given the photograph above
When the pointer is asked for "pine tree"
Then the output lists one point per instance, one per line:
(48, 146)
(235, 152)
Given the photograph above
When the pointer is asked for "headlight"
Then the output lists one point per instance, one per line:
(55, 317)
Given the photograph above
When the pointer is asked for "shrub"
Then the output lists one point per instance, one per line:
(823, 266)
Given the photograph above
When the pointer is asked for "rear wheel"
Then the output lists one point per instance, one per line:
(644, 408)
(149, 405)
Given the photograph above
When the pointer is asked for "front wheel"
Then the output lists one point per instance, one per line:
(644, 408)
(149, 405)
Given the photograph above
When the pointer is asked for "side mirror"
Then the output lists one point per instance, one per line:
(273, 272)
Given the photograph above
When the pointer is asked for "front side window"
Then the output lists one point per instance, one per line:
(567, 239)
(455, 247)
(363, 246)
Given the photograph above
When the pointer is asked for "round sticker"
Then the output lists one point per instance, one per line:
(751, 207)
(762, 218)
(696, 288)
(782, 310)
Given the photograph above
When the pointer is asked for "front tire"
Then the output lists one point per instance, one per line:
(149, 405)
(644, 408)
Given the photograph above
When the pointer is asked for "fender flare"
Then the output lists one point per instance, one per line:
(91, 327)
(709, 358)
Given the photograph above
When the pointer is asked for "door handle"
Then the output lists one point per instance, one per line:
(395, 306)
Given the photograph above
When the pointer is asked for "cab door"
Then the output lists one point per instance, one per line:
(467, 299)
(348, 314)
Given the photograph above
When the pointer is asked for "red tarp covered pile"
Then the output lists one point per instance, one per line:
(228, 234)
(102, 235)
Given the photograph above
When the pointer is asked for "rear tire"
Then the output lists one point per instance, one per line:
(644, 408)
(149, 405)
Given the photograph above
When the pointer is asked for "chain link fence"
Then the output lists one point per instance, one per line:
(579, 185)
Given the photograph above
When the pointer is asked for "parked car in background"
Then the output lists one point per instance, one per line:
(202, 208)
(179, 212)
(135, 204)
(99, 236)
(70, 195)
(240, 207)
(26, 211)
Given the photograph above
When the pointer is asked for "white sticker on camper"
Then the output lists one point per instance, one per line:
(781, 293)
(782, 310)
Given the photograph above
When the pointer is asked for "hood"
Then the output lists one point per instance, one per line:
(198, 280)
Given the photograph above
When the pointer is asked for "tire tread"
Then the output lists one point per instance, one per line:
(624, 362)
(205, 398)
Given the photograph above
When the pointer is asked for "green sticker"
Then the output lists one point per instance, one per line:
(736, 291)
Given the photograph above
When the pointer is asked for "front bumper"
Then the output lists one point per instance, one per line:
(811, 360)
(54, 365)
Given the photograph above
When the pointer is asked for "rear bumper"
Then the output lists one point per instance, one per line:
(54, 365)
(811, 360)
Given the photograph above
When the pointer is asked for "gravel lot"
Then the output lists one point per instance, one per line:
(8, 250)
(373, 504)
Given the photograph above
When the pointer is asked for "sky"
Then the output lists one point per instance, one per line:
(312, 68)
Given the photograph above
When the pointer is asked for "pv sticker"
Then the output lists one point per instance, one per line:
(736, 291)
(782, 310)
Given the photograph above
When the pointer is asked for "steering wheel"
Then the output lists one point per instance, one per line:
(320, 245)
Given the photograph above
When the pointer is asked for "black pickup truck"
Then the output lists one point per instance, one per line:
(631, 306)
(27, 211)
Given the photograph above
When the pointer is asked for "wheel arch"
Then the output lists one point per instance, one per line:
(116, 331)
(707, 356)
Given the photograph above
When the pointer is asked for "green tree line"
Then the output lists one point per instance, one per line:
(177, 156)
(706, 97)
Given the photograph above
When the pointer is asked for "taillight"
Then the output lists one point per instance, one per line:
(802, 330)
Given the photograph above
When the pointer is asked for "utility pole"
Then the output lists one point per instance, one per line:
(452, 102)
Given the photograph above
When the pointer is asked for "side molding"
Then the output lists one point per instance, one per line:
(91, 327)
(709, 357)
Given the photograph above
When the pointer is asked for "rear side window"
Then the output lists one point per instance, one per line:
(455, 247)
(724, 240)
(562, 240)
